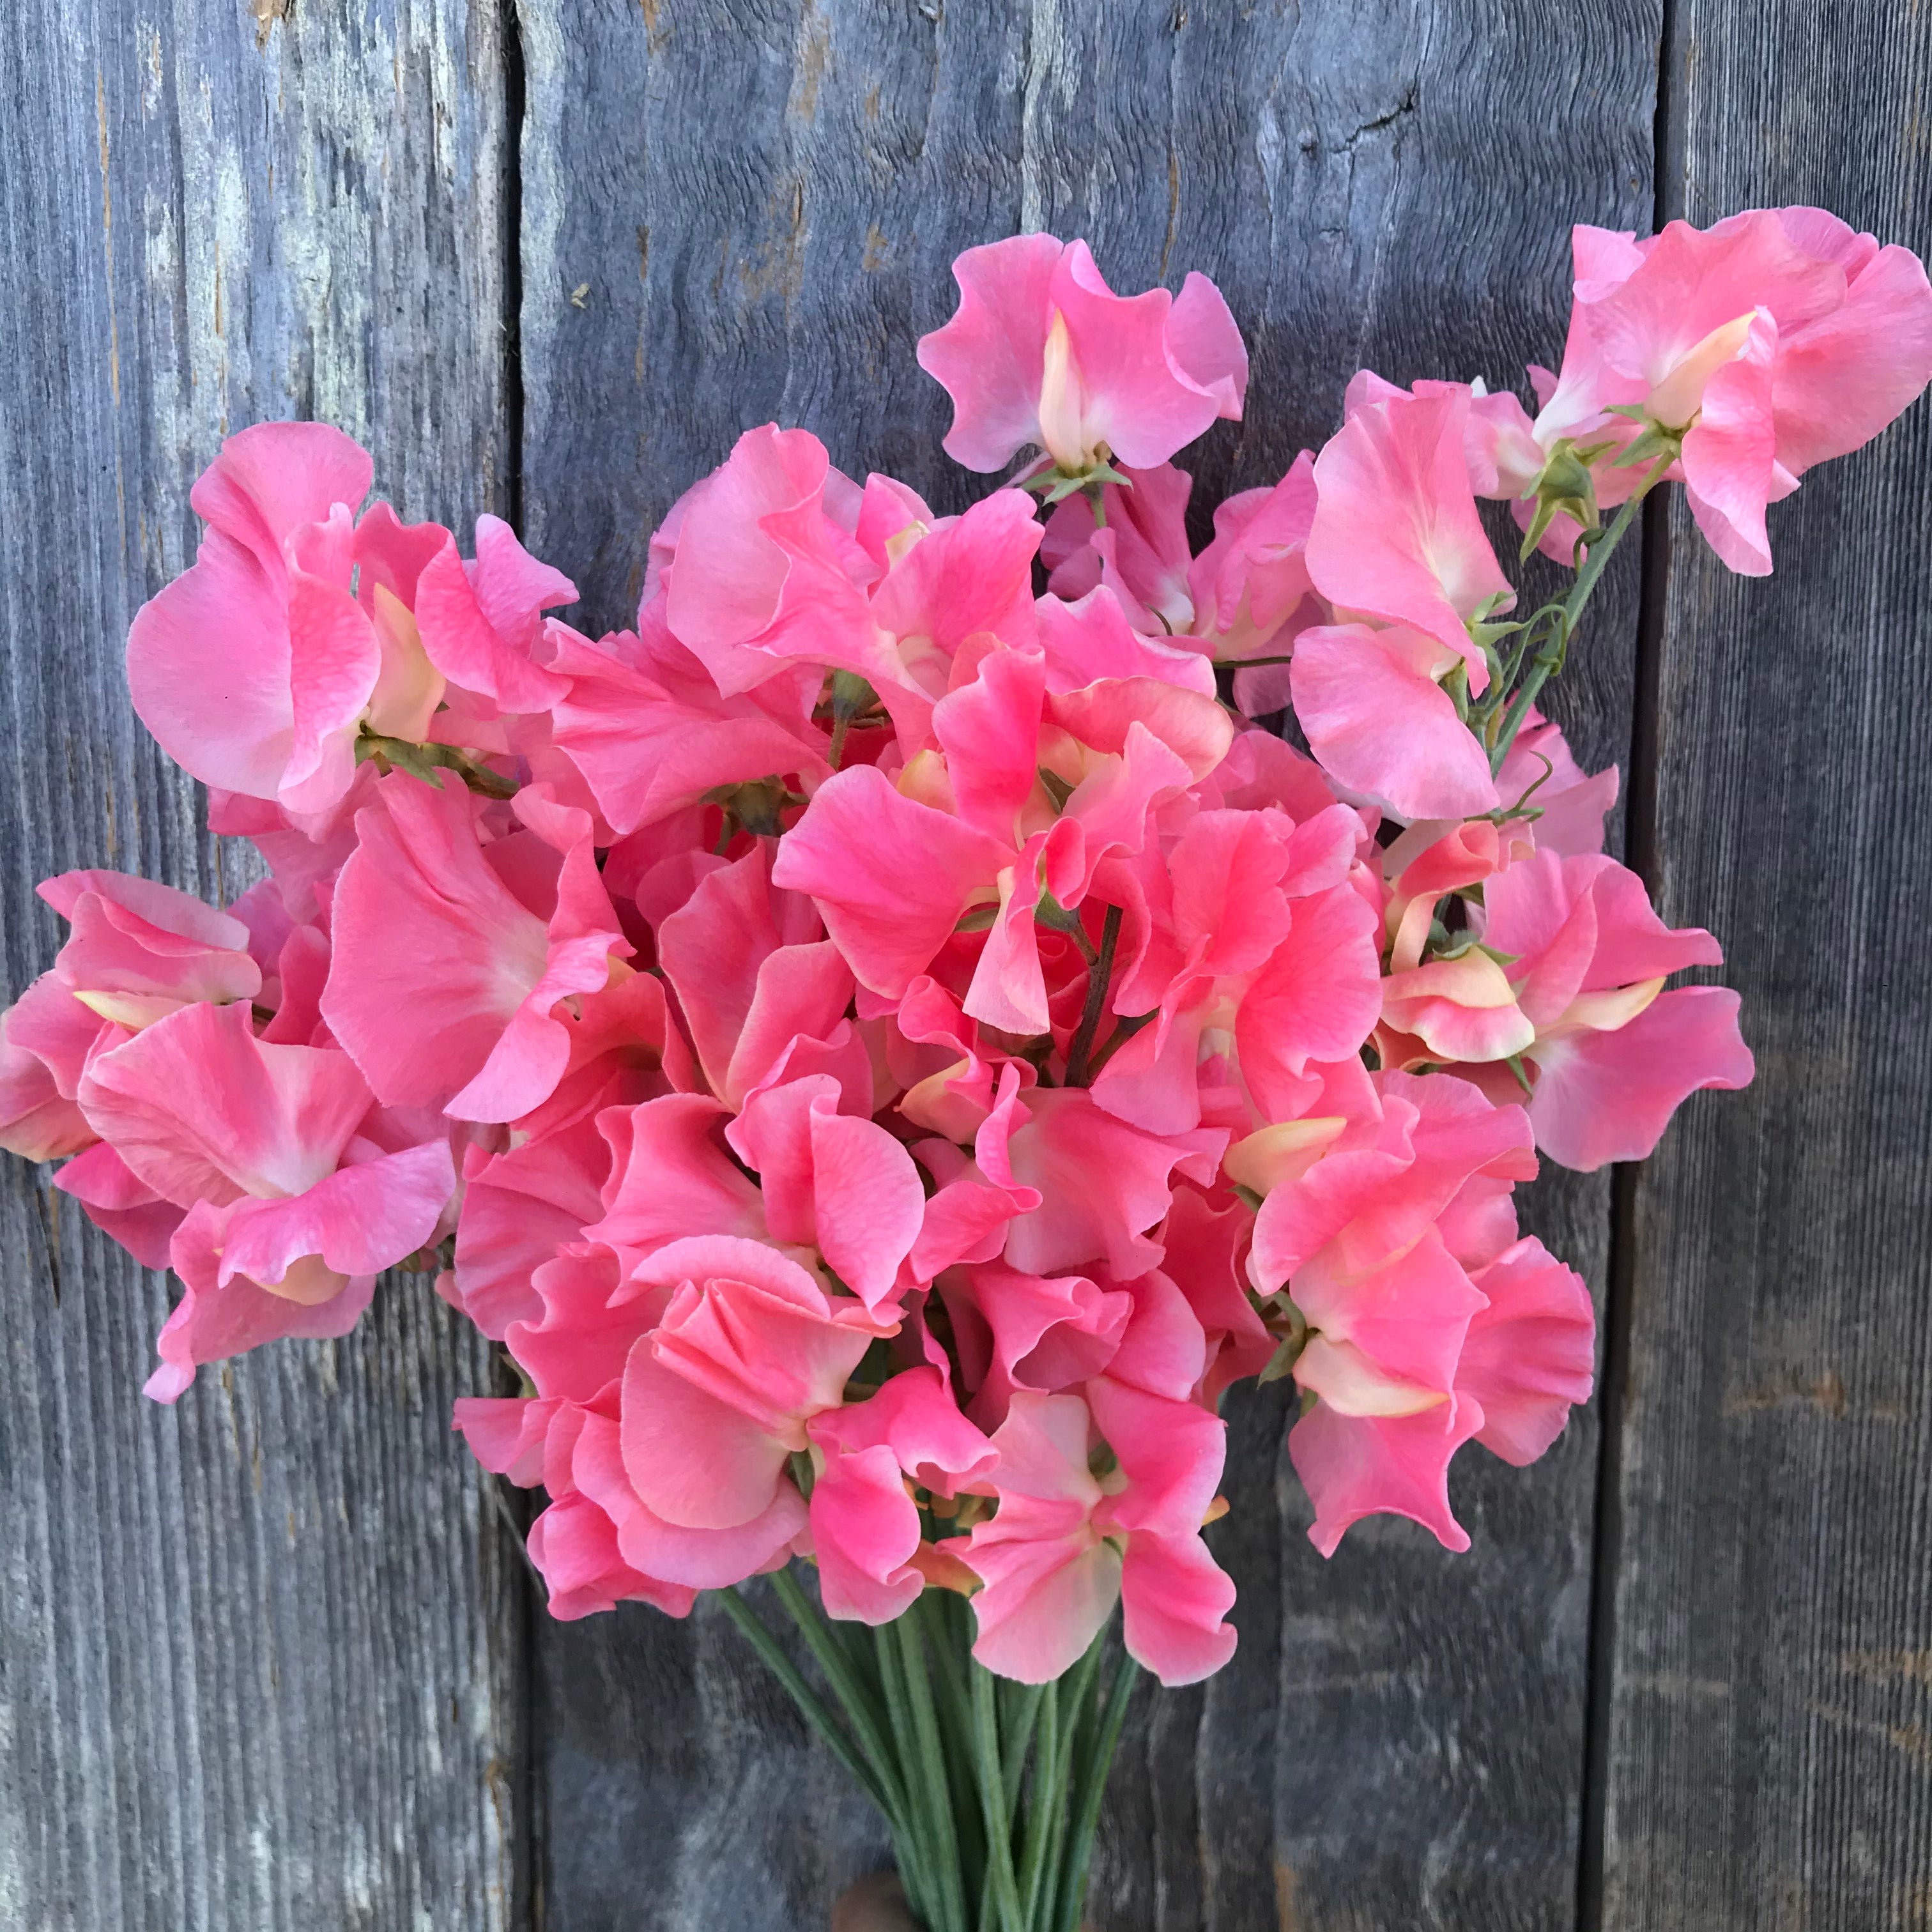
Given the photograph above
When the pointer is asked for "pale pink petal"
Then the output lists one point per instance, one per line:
(1528, 1355)
(650, 732)
(1844, 377)
(990, 357)
(519, 1208)
(759, 572)
(360, 1220)
(574, 1547)
(1090, 639)
(121, 1204)
(1395, 534)
(271, 479)
(670, 1178)
(1730, 452)
(199, 1108)
(213, 1320)
(865, 1530)
(1102, 1184)
(433, 955)
(1606, 1097)
(1381, 725)
(578, 1343)
(462, 638)
(1315, 999)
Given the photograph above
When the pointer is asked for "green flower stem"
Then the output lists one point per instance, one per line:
(862, 1710)
(1550, 659)
(1022, 1703)
(929, 1900)
(903, 1665)
(1100, 978)
(1001, 1885)
(807, 1700)
(1095, 1763)
(1048, 1806)
(954, 1709)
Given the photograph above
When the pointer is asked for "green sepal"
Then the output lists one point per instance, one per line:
(1564, 488)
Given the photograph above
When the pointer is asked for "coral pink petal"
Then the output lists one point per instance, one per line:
(990, 357)
(865, 1530)
(1353, 1466)
(271, 479)
(433, 955)
(891, 876)
(360, 1220)
(1396, 535)
(199, 1108)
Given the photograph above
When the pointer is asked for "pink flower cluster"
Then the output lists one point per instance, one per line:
(885, 1044)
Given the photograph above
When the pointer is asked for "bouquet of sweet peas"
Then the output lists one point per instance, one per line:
(887, 1043)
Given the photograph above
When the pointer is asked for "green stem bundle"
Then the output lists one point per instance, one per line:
(991, 1790)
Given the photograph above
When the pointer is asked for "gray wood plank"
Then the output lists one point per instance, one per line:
(738, 212)
(259, 1653)
(1767, 1761)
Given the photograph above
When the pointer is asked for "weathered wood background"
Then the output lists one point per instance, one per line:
(268, 1661)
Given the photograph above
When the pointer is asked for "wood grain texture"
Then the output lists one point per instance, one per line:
(1768, 1761)
(259, 1653)
(734, 213)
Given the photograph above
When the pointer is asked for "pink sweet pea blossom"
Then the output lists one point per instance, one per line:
(1568, 980)
(1040, 350)
(451, 956)
(865, 1527)
(1066, 1544)
(645, 723)
(905, 1039)
(832, 1183)
(288, 1209)
(1248, 595)
(1396, 536)
(749, 1348)
(1774, 340)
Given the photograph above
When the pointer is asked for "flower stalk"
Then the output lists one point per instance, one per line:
(991, 1790)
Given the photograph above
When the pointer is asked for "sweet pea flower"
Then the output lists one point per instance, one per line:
(1066, 1544)
(1395, 535)
(1040, 350)
(781, 566)
(832, 1184)
(259, 666)
(645, 723)
(1247, 595)
(290, 1213)
(1568, 980)
(1365, 1223)
(748, 1350)
(865, 1528)
(893, 867)
(451, 957)
(575, 1543)
(1777, 339)
(1247, 934)
(139, 951)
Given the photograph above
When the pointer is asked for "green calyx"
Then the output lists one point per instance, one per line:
(428, 762)
(754, 805)
(1564, 488)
